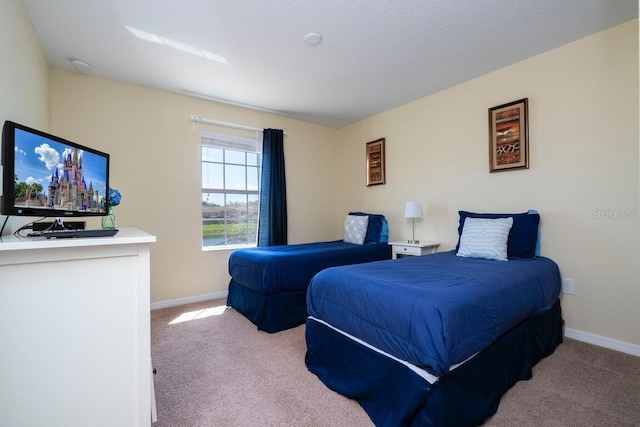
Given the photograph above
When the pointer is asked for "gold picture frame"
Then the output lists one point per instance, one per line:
(509, 136)
(375, 162)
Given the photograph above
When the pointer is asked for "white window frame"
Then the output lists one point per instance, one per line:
(235, 143)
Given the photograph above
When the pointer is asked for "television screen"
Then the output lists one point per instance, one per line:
(44, 175)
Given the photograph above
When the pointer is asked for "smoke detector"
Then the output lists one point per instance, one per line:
(79, 64)
(312, 38)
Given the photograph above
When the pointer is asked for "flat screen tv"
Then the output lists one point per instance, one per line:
(47, 176)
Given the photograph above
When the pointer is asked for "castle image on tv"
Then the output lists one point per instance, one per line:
(70, 191)
(67, 189)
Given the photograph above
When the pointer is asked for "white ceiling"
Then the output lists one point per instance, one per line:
(374, 54)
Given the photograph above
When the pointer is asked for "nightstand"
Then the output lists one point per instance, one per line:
(403, 248)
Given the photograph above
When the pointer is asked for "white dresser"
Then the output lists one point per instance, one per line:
(75, 331)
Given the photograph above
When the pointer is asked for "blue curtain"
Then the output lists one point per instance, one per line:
(272, 222)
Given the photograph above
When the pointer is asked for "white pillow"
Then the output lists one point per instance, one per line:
(355, 229)
(485, 238)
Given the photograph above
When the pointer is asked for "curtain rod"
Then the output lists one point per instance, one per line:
(199, 119)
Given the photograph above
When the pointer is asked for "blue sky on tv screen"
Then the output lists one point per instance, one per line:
(37, 157)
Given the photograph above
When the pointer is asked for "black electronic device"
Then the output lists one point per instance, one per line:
(87, 232)
(45, 175)
(68, 225)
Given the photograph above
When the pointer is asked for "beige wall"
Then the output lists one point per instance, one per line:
(24, 75)
(155, 163)
(583, 116)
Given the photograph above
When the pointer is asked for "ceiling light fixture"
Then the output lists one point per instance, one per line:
(79, 64)
(312, 39)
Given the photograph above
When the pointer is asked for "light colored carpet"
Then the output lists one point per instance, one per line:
(216, 369)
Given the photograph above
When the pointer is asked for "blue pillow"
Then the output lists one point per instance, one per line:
(534, 212)
(378, 230)
(523, 236)
(384, 233)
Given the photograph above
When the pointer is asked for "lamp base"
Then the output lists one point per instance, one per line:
(413, 242)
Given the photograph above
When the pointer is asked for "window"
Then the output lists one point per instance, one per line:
(230, 190)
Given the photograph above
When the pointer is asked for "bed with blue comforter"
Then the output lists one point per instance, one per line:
(432, 340)
(433, 311)
(269, 284)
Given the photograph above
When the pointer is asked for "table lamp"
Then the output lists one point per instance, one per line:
(413, 210)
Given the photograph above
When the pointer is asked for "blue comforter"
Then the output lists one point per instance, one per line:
(435, 310)
(275, 269)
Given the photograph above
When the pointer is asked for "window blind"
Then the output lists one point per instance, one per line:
(232, 142)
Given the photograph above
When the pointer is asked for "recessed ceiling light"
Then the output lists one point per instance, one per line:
(312, 38)
(79, 64)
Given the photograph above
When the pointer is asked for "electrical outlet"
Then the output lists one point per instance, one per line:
(567, 286)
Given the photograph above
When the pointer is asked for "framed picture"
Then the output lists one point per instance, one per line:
(375, 162)
(509, 136)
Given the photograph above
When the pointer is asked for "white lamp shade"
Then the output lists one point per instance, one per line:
(412, 210)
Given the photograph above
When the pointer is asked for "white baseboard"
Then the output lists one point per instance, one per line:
(187, 300)
(601, 341)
